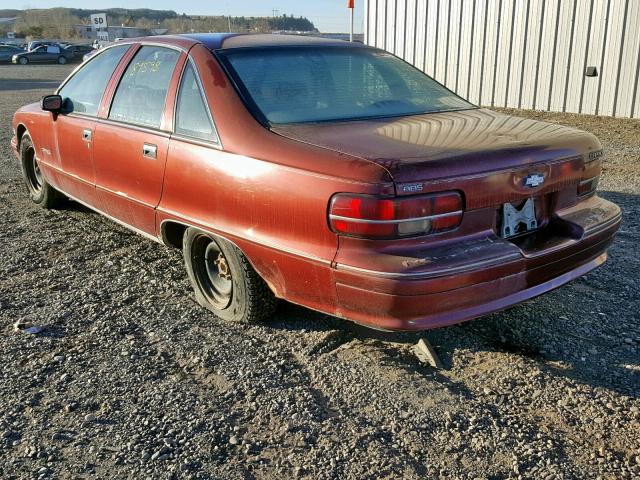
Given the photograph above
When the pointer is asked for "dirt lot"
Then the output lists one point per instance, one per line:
(131, 379)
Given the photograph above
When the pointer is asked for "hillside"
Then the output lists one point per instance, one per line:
(58, 22)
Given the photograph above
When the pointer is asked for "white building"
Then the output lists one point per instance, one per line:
(580, 56)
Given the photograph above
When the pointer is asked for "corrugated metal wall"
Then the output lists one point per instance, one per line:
(520, 53)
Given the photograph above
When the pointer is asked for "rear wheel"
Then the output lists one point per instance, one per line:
(62, 60)
(223, 279)
(23, 60)
(39, 189)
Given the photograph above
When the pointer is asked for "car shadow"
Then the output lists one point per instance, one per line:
(587, 330)
(69, 205)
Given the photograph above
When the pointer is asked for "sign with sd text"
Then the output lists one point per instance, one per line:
(99, 20)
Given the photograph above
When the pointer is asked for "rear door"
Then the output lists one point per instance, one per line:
(52, 54)
(130, 146)
(74, 129)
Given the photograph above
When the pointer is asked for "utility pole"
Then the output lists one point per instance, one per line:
(350, 6)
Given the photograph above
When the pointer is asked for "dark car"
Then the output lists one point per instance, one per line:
(44, 54)
(326, 173)
(8, 51)
(78, 51)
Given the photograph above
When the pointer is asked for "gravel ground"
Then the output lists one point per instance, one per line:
(129, 378)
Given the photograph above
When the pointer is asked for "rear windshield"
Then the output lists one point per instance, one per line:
(316, 84)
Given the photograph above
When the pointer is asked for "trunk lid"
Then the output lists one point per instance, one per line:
(443, 147)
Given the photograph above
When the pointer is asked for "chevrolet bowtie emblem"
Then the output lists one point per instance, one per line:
(533, 180)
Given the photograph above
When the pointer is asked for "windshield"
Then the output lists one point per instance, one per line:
(315, 84)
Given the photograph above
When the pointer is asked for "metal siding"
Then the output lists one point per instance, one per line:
(462, 75)
(453, 58)
(491, 42)
(421, 30)
(520, 53)
(630, 55)
(549, 67)
(409, 35)
(613, 53)
(476, 71)
(441, 41)
(504, 53)
(430, 43)
(564, 51)
(592, 53)
(390, 25)
(400, 31)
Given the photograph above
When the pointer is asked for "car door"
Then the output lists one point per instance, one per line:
(53, 53)
(38, 54)
(75, 126)
(130, 146)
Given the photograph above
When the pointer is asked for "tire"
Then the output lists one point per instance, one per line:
(62, 60)
(23, 60)
(40, 192)
(224, 281)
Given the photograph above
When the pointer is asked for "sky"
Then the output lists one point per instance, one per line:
(326, 15)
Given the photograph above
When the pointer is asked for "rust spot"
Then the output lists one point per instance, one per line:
(416, 262)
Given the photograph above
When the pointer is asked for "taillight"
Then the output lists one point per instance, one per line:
(378, 217)
(587, 187)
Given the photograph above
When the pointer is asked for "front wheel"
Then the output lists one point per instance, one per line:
(23, 60)
(223, 279)
(62, 60)
(39, 189)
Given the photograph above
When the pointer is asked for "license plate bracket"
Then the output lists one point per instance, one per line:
(516, 221)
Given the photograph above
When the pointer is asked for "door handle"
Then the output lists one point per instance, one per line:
(86, 134)
(149, 150)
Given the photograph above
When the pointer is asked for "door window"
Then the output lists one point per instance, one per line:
(141, 94)
(192, 115)
(83, 92)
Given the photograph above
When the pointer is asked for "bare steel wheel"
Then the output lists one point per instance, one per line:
(223, 279)
(39, 189)
(32, 171)
(211, 271)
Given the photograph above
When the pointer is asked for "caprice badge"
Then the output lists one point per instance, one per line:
(533, 180)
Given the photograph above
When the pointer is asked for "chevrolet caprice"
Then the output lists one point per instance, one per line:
(326, 173)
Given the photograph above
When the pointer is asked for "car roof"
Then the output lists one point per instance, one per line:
(217, 41)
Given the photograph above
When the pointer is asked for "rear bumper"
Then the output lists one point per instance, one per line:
(438, 286)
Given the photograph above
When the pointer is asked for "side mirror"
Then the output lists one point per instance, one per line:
(51, 103)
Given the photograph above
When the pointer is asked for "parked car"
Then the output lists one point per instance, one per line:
(8, 51)
(327, 173)
(78, 51)
(43, 54)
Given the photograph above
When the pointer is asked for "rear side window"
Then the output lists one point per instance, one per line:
(83, 92)
(192, 115)
(142, 92)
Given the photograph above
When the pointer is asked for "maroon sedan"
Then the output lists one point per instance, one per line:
(330, 174)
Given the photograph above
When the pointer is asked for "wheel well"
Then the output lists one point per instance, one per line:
(20, 132)
(172, 233)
